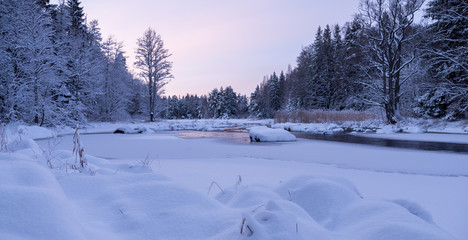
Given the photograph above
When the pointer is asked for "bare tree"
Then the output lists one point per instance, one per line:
(387, 25)
(155, 68)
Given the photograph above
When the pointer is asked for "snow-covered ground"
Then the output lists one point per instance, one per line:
(407, 126)
(160, 186)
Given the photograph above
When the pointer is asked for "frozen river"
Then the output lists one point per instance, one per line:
(437, 181)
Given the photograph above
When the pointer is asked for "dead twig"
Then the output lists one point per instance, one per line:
(214, 183)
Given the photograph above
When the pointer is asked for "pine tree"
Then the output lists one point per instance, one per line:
(326, 79)
(229, 106)
(254, 108)
(339, 88)
(353, 62)
(242, 106)
(215, 102)
(302, 80)
(76, 13)
(274, 93)
(282, 88)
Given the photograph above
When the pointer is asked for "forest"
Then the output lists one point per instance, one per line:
(56, 68)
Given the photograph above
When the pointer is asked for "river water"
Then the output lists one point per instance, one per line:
(242, 136)
(396, 143)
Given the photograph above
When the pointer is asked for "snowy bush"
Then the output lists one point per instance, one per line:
(432, 104)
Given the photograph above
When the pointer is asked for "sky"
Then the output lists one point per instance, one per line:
(218, 43)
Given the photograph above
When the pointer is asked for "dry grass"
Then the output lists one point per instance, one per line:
(323, 116)
(81, 162)
(3, 138)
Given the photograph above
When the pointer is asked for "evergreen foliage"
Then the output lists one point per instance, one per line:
(447, 56)
(55, 69)
(376, 60)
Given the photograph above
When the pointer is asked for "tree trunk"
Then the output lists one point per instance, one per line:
(390, 113)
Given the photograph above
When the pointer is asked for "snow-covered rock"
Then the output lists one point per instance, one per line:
(265, 134)
(131, 130)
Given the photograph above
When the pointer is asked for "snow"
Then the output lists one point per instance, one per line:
(265, 134)
(157, 185)
(405, 126)
(312, 127)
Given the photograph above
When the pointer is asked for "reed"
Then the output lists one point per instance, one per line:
(323, 116)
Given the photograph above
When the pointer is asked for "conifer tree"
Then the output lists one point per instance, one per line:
(274, 93)
(447, 52)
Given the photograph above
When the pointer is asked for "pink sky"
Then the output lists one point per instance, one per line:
(219, 43)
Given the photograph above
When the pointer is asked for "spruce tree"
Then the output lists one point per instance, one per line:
(274, 94)
(448, 53)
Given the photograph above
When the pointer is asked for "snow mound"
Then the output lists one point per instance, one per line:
(32, 204)
(278, 220)
(371, 219)
(251, 196)
(146, 206)
(327, 208)
(26, 146)
(265, 134)
(35, 132)
(321, 198)
(415, 209)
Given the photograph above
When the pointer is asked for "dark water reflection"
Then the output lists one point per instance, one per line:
(408, 144)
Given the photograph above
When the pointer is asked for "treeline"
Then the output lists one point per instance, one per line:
(222, 103)
(381, 58)
(55, 68)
